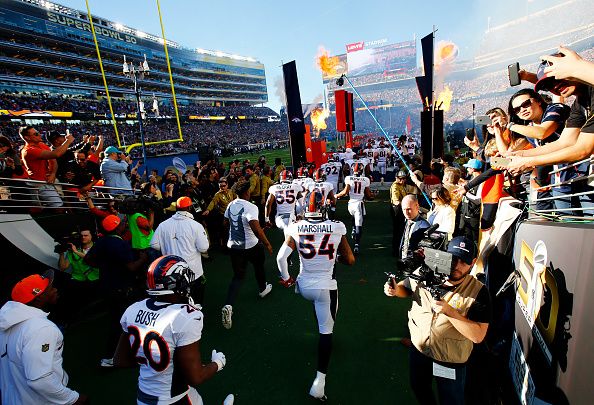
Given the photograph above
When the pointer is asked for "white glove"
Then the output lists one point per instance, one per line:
(219, 358)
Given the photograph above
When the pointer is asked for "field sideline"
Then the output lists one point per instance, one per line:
(271, 349)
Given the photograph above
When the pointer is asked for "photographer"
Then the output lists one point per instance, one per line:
(114, 168)
(81, 287)
(444, 330)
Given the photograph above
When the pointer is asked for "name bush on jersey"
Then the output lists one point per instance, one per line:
(155, 329)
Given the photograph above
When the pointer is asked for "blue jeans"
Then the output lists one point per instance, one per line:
(421, 378)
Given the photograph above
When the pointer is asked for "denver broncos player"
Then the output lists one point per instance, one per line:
(326, 189)
(284, 195)
(320, 242)
(357, 187)
(333, 171)
(304, 181)
(162, 333)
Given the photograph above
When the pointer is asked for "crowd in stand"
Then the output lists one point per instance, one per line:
(81, 104)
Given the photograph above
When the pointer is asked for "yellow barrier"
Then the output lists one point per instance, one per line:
(130, 147)
(115, 126)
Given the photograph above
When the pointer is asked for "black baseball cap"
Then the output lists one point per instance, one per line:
(463, 248)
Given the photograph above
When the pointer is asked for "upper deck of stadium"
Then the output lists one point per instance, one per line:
(49, 47)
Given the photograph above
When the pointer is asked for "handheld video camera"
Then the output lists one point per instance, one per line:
(63, 242)
(434, 269)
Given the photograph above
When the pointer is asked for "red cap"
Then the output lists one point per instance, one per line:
(30, 287)
(184, 202)
(111, 222)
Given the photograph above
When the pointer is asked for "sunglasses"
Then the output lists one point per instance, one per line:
(525, 104)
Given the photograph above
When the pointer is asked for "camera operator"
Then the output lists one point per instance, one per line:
(81, 287)
(444, 330)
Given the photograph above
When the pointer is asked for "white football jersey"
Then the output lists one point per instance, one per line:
(369, 153)
(304, 183)
(357, 187)
(322, 187)
(317, 243)
(332, 171)
(285, 195)
(382, 154)
(362, 161)
(155, 330)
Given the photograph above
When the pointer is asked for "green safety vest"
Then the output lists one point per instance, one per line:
(139, 239)
(80, 270)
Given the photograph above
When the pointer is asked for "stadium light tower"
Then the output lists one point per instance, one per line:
(136, 73)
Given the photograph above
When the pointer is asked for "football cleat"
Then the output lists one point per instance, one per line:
(107, 363)
(317, 389)
(356, 249)
(227, 312)
(266, 290)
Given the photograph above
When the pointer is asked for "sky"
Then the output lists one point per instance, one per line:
(276, 32)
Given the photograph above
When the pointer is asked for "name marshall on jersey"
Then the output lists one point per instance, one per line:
(315, 228)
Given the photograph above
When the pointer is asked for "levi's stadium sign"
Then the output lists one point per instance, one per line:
(359, 46)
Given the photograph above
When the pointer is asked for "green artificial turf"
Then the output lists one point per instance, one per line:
(271, 348)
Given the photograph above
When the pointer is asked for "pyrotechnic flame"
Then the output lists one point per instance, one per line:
(445, 52)
(318, 119)
(327, 63)
(444, 99)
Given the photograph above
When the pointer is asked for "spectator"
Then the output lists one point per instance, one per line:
(10, 162)
(86, 172)
(41, 164)
(31, 366)
(470, 207)
(451, 177)
(414, 228)
(442, 212)
(114, 169)
(544, 124)
(118, 267)
(443, 332)
(181, 236)
(247, 242)
(66, 160)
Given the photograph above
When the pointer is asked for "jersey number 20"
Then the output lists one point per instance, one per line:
(151, 338)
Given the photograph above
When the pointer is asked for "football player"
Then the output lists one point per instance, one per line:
(284, 194)
(304, 181)
(382, 154)
(357, 187)
(320, 242)
(162, 334)
(326, 189)
(333, 171)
